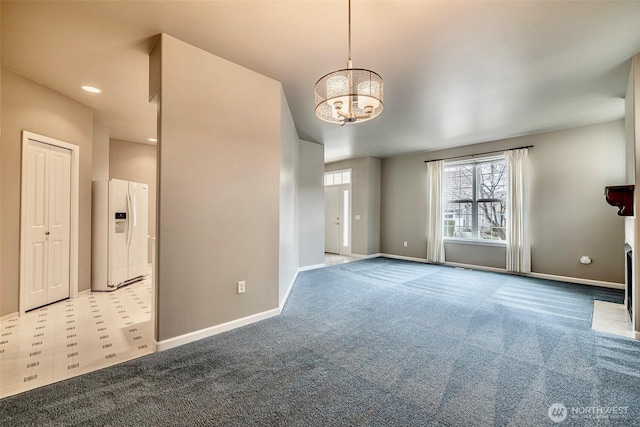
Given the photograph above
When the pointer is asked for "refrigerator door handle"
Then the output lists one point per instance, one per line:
(129, 225)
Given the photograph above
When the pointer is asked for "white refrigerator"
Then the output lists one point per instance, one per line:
(119, 233)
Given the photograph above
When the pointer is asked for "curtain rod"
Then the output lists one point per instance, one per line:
(480, 154)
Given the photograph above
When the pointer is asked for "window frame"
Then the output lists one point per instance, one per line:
(342, 173)
(474, 201)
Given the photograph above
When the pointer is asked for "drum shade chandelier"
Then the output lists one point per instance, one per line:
(351, 95)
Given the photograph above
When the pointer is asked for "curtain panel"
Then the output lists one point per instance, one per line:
(518, 246)
(435, 242)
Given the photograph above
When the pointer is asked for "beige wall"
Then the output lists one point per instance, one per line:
(365, 201)
(289, 162)
(373, 205)
(629, 127)
(568, 215)
(100, 166)
(486, 256)
(218, 190)
(27, 105)
(311, 204)
(404, 206)
(131, 161)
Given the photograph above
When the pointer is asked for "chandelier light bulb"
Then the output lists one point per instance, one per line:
(369, 95)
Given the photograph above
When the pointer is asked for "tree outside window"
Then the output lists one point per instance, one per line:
(475, 200)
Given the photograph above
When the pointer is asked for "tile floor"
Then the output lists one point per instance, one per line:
(333, 259)
(74, 337)
(612, 318)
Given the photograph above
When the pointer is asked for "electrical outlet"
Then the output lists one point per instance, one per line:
(406, 244)
(241, 287)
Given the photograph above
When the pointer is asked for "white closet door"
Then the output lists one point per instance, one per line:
(47, 203)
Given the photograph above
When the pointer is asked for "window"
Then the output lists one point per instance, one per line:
(475, 200)
(337, 178)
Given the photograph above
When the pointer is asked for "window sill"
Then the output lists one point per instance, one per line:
(476, 242)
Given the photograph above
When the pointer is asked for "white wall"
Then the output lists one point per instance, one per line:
(569, 216)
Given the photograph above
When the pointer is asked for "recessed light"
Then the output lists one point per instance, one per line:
(91, 89)
(153, 140)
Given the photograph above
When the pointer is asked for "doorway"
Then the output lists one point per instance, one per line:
(337, 208)
(49, 221)
(88, 330)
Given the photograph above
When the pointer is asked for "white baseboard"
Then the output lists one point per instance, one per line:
(577, 280)
(9, 316)
(478, 267)
(214, 330)
(448, 264)
(286, 294)
(311, 267)
(293, 281)
(405, 258)
(366, 256)
(588, 282)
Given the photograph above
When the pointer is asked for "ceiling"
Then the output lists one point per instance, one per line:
(455, 73)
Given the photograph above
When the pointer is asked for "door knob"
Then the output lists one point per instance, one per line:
(47, 233)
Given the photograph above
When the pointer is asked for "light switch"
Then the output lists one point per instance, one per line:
(357, 217)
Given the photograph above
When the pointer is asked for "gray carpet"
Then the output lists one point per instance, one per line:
(378, 342)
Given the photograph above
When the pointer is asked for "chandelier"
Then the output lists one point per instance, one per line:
(349, 95)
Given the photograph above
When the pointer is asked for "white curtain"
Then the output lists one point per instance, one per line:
(518, 246)
(435, 243)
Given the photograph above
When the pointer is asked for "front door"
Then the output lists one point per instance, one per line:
(47, 201)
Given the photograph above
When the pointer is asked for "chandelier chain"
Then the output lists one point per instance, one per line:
(349, 30)
(350, 95)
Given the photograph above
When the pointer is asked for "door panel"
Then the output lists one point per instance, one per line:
(37, 287)
(59, 188)
(38, 185)
(332, 219)
(57, 257)
(35, 204)
(59, 204)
